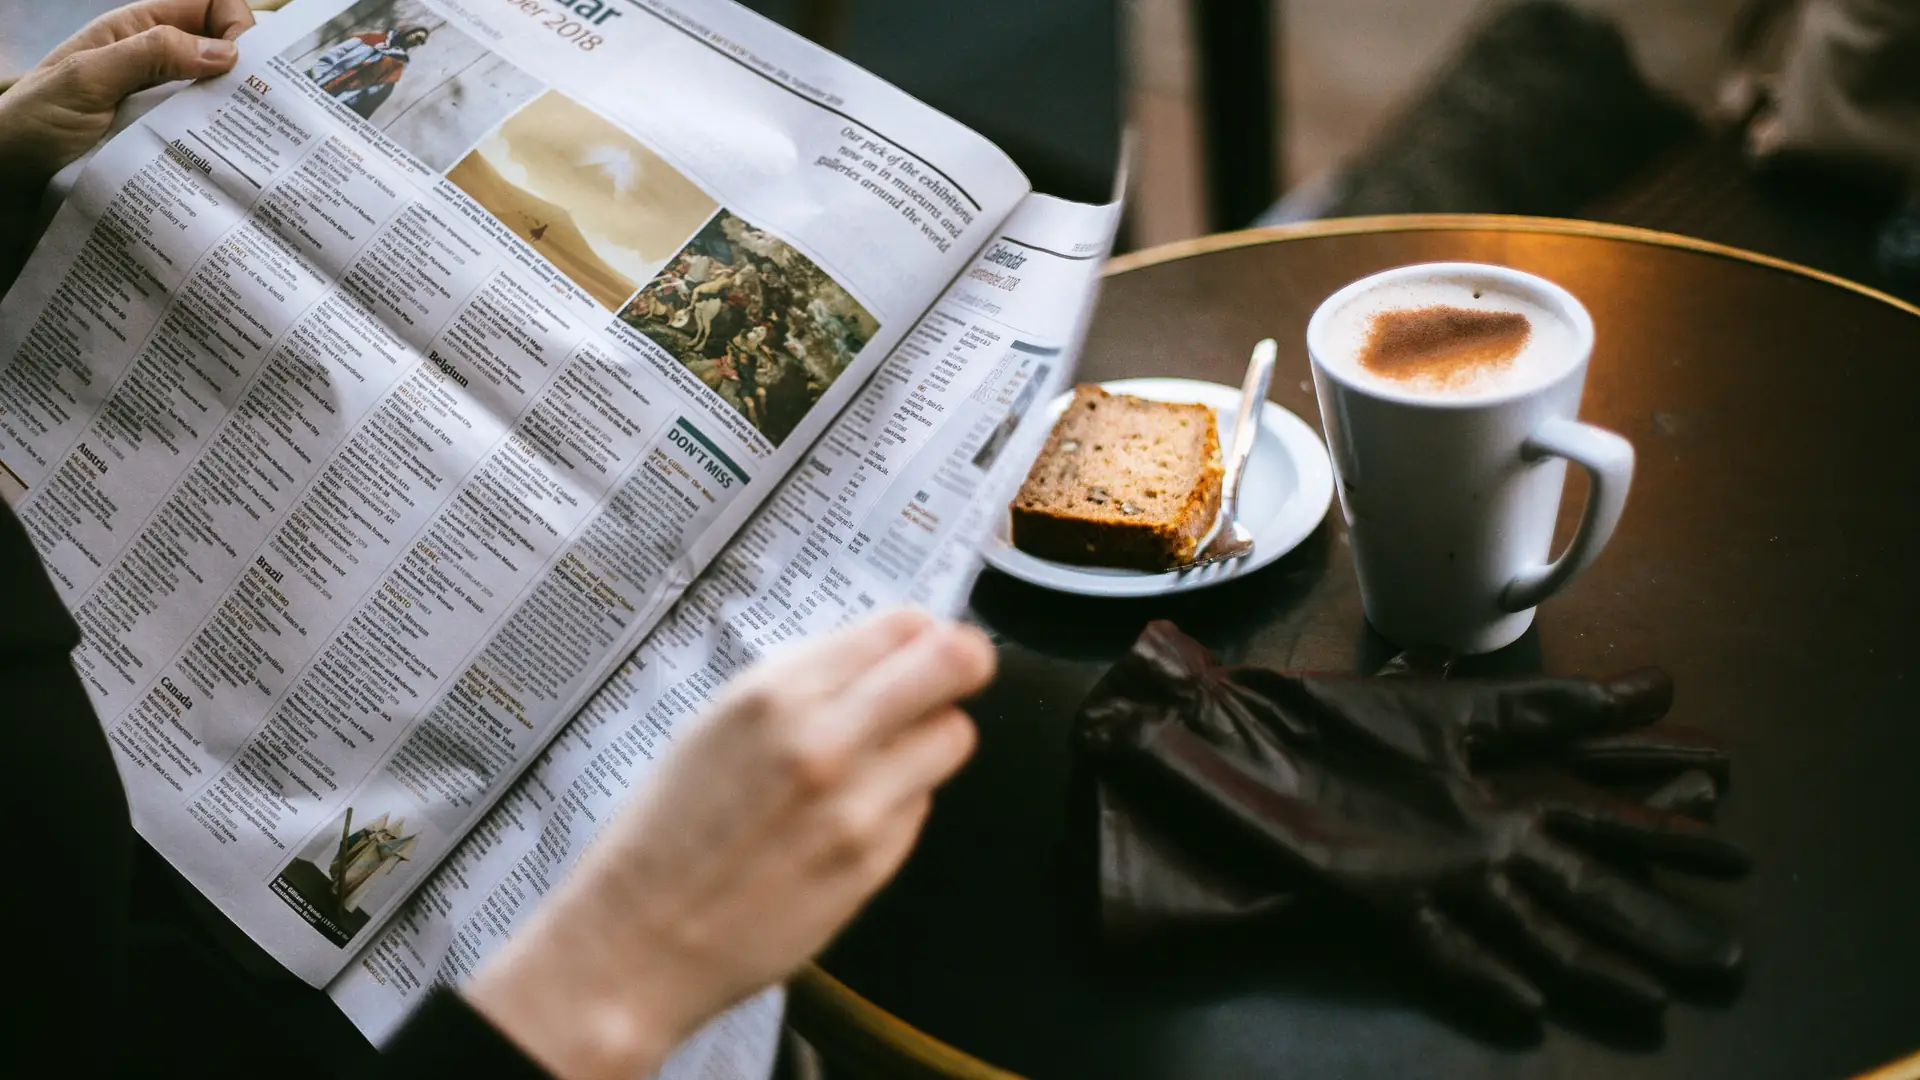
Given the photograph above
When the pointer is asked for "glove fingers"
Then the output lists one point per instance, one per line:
(1589, 814)
(1640, 696)
(1568, 954)
(1661, 750)
(1552, 710)
(1627, 912)
(1658, 836)
(1460, 958)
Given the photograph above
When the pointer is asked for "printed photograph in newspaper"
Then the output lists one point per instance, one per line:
(1034, 376)
(597, 203)
(399, 66)
(756, 320)
(335, 880)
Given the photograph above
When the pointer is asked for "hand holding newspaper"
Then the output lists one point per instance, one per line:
(426, 418)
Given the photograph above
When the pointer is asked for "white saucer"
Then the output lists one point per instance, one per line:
(1285, 493)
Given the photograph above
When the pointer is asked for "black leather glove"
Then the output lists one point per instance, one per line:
(1449, 809)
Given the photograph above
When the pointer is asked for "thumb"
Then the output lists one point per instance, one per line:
(99, 78)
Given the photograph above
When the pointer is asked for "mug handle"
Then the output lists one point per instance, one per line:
(1608, 459)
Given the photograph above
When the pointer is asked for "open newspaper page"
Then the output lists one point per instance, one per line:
(890, 507)
(370, 404)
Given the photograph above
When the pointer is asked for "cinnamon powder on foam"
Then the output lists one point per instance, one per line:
(1442, 344)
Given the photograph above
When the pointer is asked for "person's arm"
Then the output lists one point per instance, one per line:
(778, 813)
(789, 803)
(67, 898)
(775, 817)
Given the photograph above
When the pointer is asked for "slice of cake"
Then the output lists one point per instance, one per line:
(1122, 482)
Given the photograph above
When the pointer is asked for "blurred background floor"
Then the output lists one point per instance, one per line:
(1345, 64)
(29, 28)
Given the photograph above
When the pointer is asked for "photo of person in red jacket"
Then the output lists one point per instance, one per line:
(361, 71)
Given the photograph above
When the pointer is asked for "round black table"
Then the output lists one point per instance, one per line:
(1766, 559)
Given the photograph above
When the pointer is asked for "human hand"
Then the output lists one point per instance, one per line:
(782, 809)
(1450, 810)
(57, 111)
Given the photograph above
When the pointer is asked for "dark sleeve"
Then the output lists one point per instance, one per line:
(61, 798)
(127, 964)
(445, 1037)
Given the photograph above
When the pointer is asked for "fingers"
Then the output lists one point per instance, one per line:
(1628, 913)
(1460, 958)
(936, 668)
(874, 822)
(893, 840)
(1640, 696)
(866, 843)
(1657, 836)
(1661, 750)
(1587, 813)
(837, 701)
(1569, 955)
(1552, 709)
(221, 20)
(923, 757)
(99, 78)
(228, 19)
(827, 664)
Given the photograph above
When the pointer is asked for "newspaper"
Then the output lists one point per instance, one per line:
(374, 406)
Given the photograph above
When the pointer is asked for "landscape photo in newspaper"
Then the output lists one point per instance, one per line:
(1033, 375)
(600, 206)
(758, 322)
(400, 66)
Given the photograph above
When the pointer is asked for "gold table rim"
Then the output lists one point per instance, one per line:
(1515, 223)
(834, 1016)
(819, 995)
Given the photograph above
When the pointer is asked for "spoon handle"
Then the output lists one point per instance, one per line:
(1246, 424)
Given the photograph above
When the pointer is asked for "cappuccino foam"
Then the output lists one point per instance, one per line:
(1448, 338)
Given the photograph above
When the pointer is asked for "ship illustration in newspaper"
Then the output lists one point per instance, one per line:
(331, 889)
(367, 855)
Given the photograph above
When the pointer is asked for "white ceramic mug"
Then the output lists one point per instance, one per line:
(1450, 503)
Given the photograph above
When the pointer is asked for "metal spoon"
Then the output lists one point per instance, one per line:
(1228, 539)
